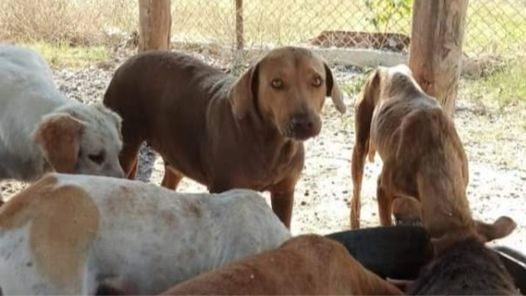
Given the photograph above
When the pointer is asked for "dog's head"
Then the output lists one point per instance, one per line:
(287, 88)
(407, 210)
(81, 139)
(479, 230)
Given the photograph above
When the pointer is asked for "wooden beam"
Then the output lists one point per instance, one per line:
(155, 23)
(436, 47)
(240, 41)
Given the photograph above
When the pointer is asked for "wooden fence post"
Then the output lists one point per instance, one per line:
(155, 23)
(436, 47)
(240, 41)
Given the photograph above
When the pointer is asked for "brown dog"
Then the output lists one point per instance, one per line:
(219, 131)
(464, 266)
(422, 155)
(305, 265)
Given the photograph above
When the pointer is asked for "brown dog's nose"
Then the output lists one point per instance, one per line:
(303, 127)
(302, 123)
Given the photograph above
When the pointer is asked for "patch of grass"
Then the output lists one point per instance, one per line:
(503, 87)
(63, 55)
(76, 22)
(354, 87)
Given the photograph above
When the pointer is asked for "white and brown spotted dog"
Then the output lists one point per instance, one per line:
(76, 234)
(41, 131)
(425, 168)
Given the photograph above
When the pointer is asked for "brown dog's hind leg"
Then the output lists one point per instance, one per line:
(132, 139)
(133, 169)
(171, 177)
(128, 159)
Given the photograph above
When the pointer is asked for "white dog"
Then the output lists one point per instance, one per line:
(40, 130)
(72, 234)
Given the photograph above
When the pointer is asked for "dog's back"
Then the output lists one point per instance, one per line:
(141, 87)
(23, 71)
(389, 116)
(430, 153)
(304, 265)
(160, 93)
(71, 233)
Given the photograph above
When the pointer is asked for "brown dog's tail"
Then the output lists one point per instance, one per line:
(363, 113)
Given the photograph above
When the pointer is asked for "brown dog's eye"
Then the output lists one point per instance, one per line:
(317, 81)
(277, 83)
(97, 158)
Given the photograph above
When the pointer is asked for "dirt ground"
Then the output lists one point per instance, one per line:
(495, 141)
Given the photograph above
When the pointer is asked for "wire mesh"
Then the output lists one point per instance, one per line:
(232, 27)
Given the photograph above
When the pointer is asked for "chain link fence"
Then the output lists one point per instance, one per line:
(237, 30)
(231, 28)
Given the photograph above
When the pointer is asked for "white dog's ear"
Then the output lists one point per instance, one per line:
(243, 94)
(114, 117)
(58, 135)
(333, 90)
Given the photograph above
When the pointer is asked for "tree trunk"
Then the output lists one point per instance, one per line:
(436, 48)
(155, 23)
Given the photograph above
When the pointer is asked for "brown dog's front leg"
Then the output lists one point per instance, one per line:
(171, 178)
(384, 201)
(384, 206)
(282, 202)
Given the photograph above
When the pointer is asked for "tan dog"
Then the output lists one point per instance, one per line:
(42, 131)
(422, 155)
(221, 131)
(75, 235)
(304, 265)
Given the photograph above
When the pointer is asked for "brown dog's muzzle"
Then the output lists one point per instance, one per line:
(303, 126)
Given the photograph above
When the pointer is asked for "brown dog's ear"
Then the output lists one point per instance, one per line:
(334, 91)
(58, 135)
(244, 92)
(502, 227)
